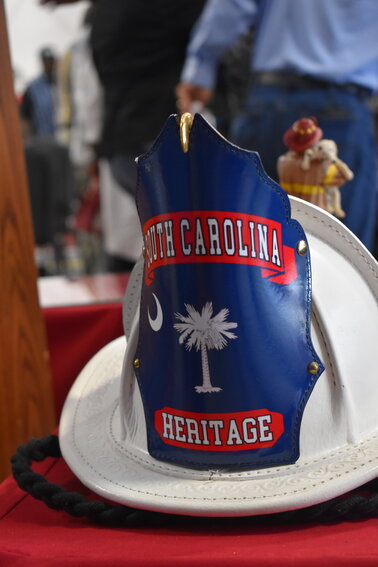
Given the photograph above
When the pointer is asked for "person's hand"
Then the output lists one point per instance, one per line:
(188, 93)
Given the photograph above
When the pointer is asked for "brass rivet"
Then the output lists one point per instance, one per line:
(313, 367)
(302, 247)
(136, 363)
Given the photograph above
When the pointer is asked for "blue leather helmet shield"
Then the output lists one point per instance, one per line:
(225, 358)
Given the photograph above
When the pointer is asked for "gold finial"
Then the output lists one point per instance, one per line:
(186, 122)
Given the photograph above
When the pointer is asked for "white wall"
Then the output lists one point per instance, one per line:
(31, 27)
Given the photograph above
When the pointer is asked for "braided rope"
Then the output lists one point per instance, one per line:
(355, 506)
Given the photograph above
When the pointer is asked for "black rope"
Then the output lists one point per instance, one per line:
(354, 506)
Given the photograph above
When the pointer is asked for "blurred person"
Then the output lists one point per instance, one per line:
(49, 170)
(308, 59)
(37, 106)
(138, 50)
(79, 123)
(80, 103)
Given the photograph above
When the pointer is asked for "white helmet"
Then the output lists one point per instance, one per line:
(272, 431)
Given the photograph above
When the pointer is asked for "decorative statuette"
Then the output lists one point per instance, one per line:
(311, 168)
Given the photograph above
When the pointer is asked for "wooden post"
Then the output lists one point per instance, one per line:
(26, 407)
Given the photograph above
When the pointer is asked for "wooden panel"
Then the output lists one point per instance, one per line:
(26, 407)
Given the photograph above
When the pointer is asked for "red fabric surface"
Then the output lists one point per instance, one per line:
(74, 335)
(32, 535)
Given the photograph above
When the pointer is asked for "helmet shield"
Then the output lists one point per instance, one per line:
(225, 358)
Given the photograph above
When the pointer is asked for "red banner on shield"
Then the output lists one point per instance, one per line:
(218, 237)
(237, 431)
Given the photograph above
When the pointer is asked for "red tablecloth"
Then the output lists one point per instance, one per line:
(33, 535)
(74, 335)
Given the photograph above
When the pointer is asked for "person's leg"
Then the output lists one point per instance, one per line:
(352, 130)
(124, 170)
(261, 125)
(122, 235)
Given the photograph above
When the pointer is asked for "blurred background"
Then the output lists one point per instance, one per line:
(32, 26)
(95, 81)
(41, 39)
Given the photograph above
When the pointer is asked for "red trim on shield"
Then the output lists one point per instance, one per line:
(218, 237)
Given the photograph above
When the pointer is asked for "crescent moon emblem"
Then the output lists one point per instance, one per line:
(158, 321)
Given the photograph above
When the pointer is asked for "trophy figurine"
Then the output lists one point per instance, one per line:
(311, 169)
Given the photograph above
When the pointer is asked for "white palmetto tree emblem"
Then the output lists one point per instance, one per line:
(203, 331)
